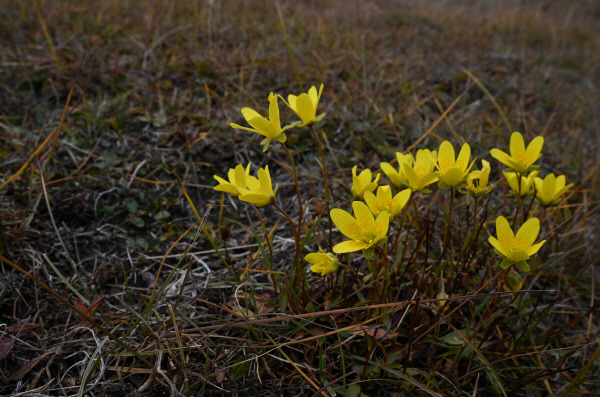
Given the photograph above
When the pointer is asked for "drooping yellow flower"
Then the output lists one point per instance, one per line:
(419, 173)
(550, 189)
(384, 201)
(305, 105)
(258, 191)
(526, 182)
(237, 177)
(516, 249)
(477, 181)
(397, 176)
(453, 171)
(364, 231)
(322, 262)
(521, 159)
(363, 182)
(269, 128)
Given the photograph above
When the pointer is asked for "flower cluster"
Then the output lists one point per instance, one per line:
(373, 212)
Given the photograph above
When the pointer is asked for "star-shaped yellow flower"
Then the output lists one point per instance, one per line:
(258, 191)
(521, 159)
(305, 105)
(397, 176)
(453, 171)
(363, 182)
(322, 262)
(237, 177)
(526, 182)
(364, 231)
(419, 173)
(384, 201)
(516, 249)
(269, 128)
(477, 181)
(550, 189)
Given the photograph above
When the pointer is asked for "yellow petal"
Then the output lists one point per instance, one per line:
(527, 233)
(446, 157)
(453, 177)
(403, 197)
(241, 127)
(258, 199)
(312, 94)
(517, 145)
(263, 126)
(371, 201)
(535, 248)
(274, 111)
(304, 108)
(363, 214)
(316, 258)
(292, 101)
(549, 187)
(504, 232)
(319, 95)
(534, 150)
(501, 156)
(498, 245)
(349, 246)
(462, 162)
(345, 223)
(383, 224)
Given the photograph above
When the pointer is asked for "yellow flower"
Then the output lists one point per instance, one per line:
(481, 187)
(305, 106)
(258, 191)
(397, 177)
(549, 189)
(237, 177)
(516, 249)
(362, 183)
(419, 173)
(521, 159)
(363, 231)
(322, 262)
(384, 201)
(453, 171)
(526, 182)
(269, 128)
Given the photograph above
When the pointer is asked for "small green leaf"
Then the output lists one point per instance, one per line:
(162, 215)
(110, 158)
(137, 221)
(130, 204)
(151, 208)
(106, 212)
(353, 390)
(142, 242)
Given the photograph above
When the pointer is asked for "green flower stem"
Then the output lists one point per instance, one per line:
(401, 223)
(526, 214)
(469, 242)
(413, 221)
(519, 206)
(269, 245)
(385, 290)
(289, 219)
(448, 232)
(325, 179)
(300, 215)
(296, 268)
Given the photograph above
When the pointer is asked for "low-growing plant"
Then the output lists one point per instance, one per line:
(394, 258)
